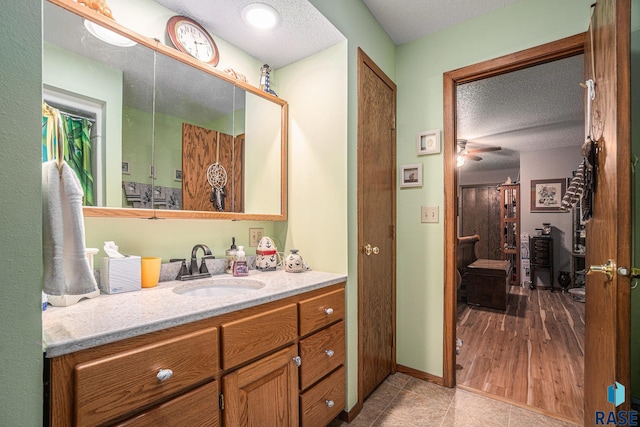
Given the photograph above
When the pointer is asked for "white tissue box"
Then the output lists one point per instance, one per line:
(119, 275)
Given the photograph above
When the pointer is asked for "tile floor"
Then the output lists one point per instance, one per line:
(405, 401)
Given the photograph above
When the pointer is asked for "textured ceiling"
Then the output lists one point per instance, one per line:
(535, 108)
(302, 32)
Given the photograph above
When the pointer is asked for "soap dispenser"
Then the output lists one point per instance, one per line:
(240, 266)
(232, 255)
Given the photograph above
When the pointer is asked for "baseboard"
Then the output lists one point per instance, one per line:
(420, 375)
(348, 416)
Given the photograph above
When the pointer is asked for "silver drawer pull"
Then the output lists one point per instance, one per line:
(328, 310)
(164, 374)
(297, 360)
(329, 353)
(329, 403)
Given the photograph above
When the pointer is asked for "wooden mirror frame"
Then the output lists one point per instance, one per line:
(157, 46)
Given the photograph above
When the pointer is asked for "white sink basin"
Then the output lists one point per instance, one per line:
(220, 287)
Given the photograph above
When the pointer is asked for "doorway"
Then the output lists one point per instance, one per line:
(608, 290)
(562, 49)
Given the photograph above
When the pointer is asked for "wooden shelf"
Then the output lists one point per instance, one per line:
(510, 228)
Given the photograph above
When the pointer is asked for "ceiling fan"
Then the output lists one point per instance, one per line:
(465, 153)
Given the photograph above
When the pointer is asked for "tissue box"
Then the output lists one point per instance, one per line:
(119, 275)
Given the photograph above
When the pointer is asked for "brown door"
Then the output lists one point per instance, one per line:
(607, 307)
(376, 225)
(200, 148)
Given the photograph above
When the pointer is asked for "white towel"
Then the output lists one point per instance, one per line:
(66, 268)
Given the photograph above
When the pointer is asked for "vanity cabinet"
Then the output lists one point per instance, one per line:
(280, 364)
(263, 393)
(323, 353)
(139, 376)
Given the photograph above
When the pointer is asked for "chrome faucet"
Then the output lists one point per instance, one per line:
(193, 271)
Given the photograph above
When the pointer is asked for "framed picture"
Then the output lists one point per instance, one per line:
(411, 175)
(177, 174)
(428, 142)
(546, 194)
(125, 168)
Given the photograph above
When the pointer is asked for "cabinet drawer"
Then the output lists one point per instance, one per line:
(320, 311)
(245, 339)
(323, 402)
(113, 386)
(198, 407)
(321, 353)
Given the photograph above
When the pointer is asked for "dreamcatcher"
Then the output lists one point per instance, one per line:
(217, 177)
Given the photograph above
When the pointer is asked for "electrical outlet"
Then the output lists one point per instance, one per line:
(255, 234)
(429, 214)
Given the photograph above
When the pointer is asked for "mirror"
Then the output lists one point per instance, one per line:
(161, 120)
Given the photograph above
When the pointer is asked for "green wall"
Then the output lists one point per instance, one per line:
(361, 29)
(20, 252)
(420, 66)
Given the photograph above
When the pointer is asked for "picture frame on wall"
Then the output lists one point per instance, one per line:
(411, 175)
(177, 174)
(546, 194)
(428, 142)
(125, 168)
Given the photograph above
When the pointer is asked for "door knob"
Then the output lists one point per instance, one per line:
(368, 249)
(606, 269)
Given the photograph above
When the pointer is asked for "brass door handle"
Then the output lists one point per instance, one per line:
(368, 249)
(607, 269)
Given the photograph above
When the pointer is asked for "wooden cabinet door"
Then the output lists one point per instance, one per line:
(480, 214)
(264, 393)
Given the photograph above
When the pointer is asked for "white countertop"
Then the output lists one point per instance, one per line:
(110, 318)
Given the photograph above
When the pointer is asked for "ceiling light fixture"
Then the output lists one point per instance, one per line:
(107, 35)
(460, 160)
(260, 15)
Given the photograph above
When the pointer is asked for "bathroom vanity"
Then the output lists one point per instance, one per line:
(270, 356)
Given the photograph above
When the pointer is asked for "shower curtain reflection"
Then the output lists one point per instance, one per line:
(76, 141)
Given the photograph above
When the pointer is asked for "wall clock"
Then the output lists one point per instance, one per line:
(191, 38)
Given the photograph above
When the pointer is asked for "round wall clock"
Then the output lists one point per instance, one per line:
(191, 38)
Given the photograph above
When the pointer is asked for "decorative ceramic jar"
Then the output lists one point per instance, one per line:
(266, 255)
(294, 263)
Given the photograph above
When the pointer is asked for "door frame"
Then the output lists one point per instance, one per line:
(365, 61)
(559, 49)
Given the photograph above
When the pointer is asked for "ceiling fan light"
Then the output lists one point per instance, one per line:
(459, 160)
(260, 15)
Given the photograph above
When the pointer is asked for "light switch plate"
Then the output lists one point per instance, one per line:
(429, 214)
(255, 234)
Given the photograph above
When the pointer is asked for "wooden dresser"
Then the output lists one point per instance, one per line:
(541, 249)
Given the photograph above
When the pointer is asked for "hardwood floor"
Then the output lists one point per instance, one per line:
(532, 353)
